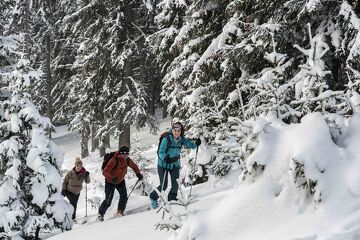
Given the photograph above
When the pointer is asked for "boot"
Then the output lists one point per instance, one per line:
(100, 218)
(120, 213)
(154, 203)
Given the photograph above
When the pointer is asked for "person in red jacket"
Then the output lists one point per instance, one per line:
(114, 173)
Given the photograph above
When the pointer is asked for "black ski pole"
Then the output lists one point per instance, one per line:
(197, 149)
(133, 188)
(86, 199)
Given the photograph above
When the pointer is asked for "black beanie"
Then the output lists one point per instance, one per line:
(124, 149)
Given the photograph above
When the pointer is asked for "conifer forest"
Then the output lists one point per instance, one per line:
(103, 66)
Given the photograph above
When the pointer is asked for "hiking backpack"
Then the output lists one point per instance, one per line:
(107, 158)
(167, 136)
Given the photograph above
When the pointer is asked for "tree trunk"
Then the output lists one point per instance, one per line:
(94, 140)
(48, 81)
(153, 96)
(102, 148)
(165, 113)
(124, 138)
(37, 232)
(107, 140)
(25, 27)
(85, 132)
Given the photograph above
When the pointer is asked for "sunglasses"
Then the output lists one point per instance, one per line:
(124, 153)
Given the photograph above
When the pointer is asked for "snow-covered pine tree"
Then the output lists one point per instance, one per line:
(188, 54)
(93, 67)
(173, 220)
(221, 73)
(64, 72)
(249, 40)
(201, 38)
(139, 21)
(111, 95)
(346, 42)
(36, 20)
(128, 103)
(311, 89)
(169, 21)
(144, 164)
(30, 164)
(299, 178)
(270, 95)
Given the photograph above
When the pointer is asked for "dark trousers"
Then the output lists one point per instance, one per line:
(73, 199)
(109, 194)
(163, 176)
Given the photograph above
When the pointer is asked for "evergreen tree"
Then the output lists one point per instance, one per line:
(347, 46)
(270, 93)
(169, 21)
(311, 89)
(65, 91)
(235, 63)
(30, 163)
(138, 156)
(35, 20)
(111, 92)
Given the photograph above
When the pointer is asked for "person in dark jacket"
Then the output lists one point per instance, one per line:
(114, 172)
(169, 161)
(72, 183)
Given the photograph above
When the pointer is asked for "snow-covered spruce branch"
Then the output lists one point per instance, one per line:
(299, 178)
(175, 220)
(322, 96)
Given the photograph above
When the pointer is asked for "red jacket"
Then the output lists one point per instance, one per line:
(120, 169)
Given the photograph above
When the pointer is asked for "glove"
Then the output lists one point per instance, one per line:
(198, 142)
(86, 174)
(140, 176)
(114, 179)
(167, 159)
(63, 192)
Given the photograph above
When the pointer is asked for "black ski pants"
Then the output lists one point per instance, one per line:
(163, 177)
(109, 194)
(73, 199)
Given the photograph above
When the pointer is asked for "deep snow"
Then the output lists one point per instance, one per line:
(269, 206)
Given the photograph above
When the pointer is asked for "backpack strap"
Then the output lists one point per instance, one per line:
(167, 136)
(169, 146)
(168, 143)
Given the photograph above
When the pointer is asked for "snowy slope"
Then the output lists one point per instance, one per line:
(274, 207)
(270, 206)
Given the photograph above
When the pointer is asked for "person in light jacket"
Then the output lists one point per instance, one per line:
(72, 183)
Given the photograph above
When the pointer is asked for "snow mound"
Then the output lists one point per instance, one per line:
(309, 188)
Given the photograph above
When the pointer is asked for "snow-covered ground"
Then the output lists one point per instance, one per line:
(270, 206)
(138, 222)
(69, 143)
